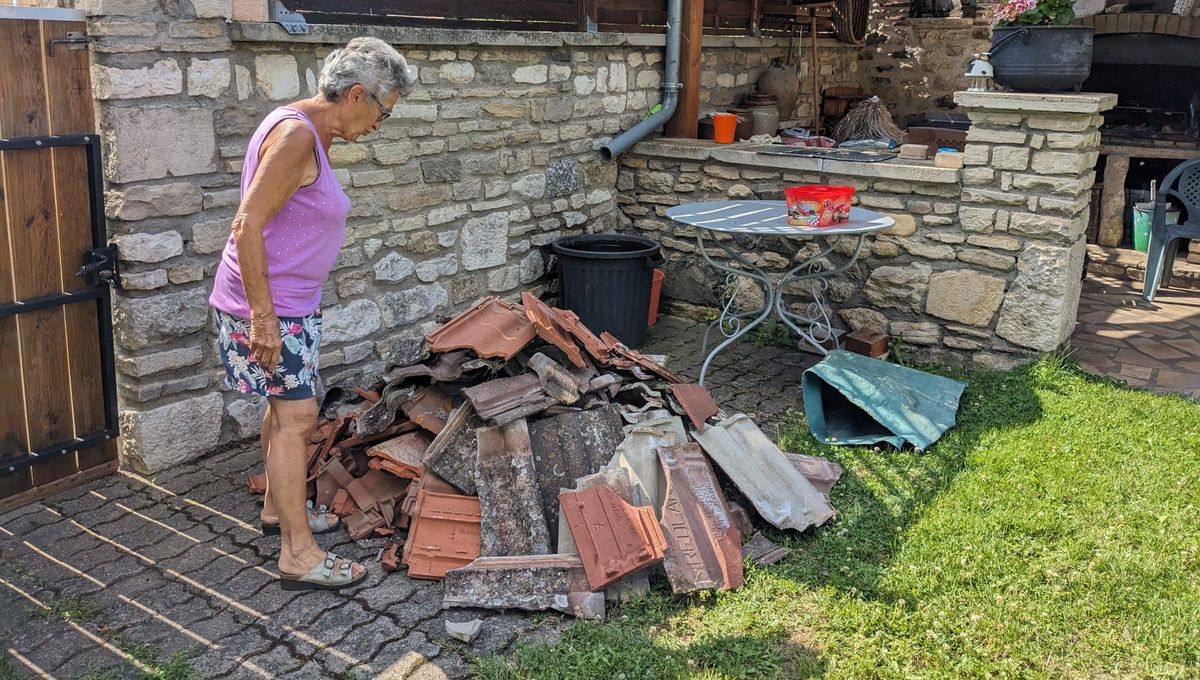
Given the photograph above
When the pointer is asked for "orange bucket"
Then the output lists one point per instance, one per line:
(724, 127)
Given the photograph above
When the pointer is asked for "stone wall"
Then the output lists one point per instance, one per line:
(490, 160)
(916, 65)
(728, 75)
(982, 266)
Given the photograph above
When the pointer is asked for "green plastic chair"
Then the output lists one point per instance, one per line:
(1183, 184)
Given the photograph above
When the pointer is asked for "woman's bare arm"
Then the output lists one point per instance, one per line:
(285, 156)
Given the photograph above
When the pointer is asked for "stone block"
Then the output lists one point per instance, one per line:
(485, 241)
(563, 178)
(349, 322)
(1064, 123)
(987, 258)
(141, 201)
(393, 268)
(995, 242)
(247, 414)
(140, 366)
(1039, 226)
(156, 142)
(143, 322)
(994, 136)
(973, 195)
(412, 111)
(507, 109)
(1037, 319)
(535, 75)
(404, 307)
(165, 437)
(444, 169)
(277, 76)
(432, 270)
(1051, 268)
(531, 186)
(900, 287)
(905, 225)
(147, 280)
(186, 273)
(458, 72)
(916, 332)
(1062, 163)
(162, 78)
(149, 247)
(208, 77)
(862, 318)
(1010, 158)
(964, 296)
(1063, 186)
(210, 236)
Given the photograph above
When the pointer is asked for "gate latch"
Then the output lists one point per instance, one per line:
(100, 267)
(75, 40)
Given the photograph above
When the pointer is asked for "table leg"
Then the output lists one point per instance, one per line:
(819, 329)
(730, 324)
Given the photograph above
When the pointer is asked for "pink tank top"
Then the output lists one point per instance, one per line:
(302, 240)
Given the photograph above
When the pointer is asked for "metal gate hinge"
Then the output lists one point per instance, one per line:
(100, 267)
(75, 40)
(292, 22)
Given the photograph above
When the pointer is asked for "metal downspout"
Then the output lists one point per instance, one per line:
(670, 89)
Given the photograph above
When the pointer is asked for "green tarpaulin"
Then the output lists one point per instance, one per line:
(852, 399)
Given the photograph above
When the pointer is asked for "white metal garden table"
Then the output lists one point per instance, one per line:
(769, 218)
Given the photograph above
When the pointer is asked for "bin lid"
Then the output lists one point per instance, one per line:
(605, 246)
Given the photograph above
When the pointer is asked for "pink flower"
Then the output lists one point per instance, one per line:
(243, 386)
(295, 329)
(274, 390)
(239, 338)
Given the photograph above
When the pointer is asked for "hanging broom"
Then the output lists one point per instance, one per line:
(869, 119)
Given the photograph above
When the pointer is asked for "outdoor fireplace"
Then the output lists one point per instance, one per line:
(1150, 61)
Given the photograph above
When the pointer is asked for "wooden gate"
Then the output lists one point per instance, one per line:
(57, 385)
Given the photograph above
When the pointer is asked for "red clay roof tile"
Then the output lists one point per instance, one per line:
(544, 322)
(703, 545)
(613, 537)
(444, 534)
(492, 328)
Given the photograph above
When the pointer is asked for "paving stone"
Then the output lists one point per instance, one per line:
(333, 625)
(367, 640)
(277, 661)
(393, 590)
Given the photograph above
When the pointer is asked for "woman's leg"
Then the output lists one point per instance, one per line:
(292, 421)
(269, 512)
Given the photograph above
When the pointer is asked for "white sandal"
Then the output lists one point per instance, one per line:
(319, 521)
(323, 576)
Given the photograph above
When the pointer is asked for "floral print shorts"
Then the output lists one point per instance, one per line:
(295, 377)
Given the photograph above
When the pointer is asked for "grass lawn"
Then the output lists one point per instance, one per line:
(1054, 533)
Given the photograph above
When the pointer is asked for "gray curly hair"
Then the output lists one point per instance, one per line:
(370, 62)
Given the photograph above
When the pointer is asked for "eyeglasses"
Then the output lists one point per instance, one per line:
(384, 114)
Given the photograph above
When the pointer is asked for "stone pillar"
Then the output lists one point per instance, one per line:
(1030, 168)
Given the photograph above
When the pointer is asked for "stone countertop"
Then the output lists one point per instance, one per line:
(743, 153)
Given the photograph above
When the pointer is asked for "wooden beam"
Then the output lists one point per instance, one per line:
(686, 121)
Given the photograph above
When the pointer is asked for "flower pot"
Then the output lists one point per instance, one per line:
(1042, 58)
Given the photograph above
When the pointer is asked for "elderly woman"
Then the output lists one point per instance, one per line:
(285, 237)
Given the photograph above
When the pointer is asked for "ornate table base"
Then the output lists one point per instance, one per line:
(813, 326)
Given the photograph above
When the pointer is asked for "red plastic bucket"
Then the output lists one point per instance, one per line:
(724, 127)
(818, 205)
(655, 293)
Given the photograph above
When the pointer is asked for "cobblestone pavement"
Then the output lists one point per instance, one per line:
(132, 568)
(1151, 345)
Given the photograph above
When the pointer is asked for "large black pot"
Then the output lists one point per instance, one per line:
(1042, 58)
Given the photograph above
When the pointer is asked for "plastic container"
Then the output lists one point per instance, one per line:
(1143, 217)
(606, 279)
(655, 294)
(724, 127)
(818, 205)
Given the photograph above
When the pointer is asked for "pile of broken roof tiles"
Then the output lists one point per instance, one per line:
(532, 464)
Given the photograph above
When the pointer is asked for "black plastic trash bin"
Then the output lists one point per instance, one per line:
(605, 279)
